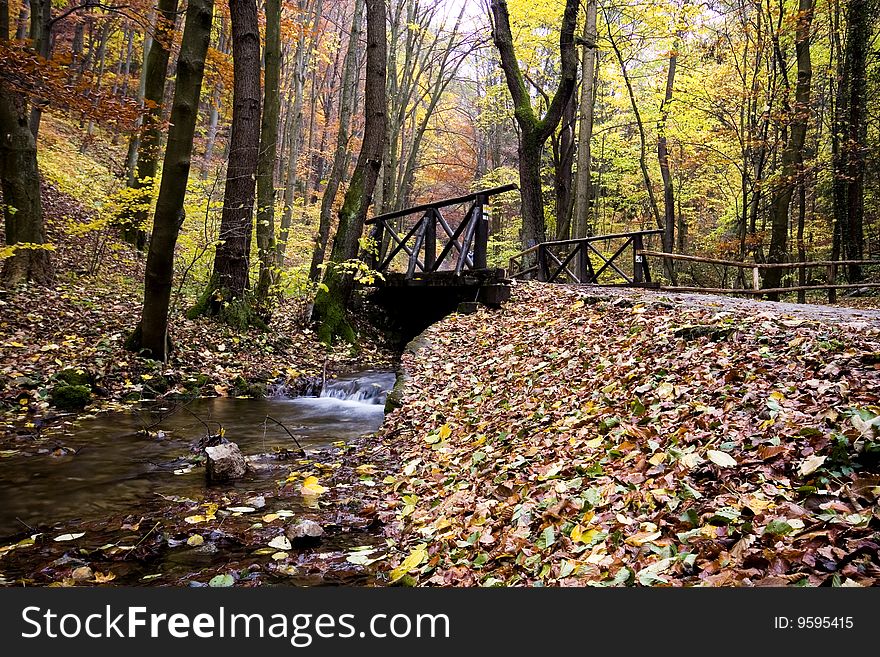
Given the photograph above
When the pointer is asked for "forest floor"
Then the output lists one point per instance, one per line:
(81, 323)
(588, 436)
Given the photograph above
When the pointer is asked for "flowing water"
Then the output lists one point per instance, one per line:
(108, 463)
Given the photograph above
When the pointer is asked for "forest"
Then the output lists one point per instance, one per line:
(200, 201)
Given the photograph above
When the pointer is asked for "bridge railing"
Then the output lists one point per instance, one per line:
(585, 261)
(461, 248)
(748, 280)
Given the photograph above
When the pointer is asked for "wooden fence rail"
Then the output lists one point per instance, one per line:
(832, 267)
(571, 261)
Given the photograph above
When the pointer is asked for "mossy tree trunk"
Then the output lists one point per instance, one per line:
(331, 304)
(268, 151)
(20, 182)
(153, 329)
(535, 130)
(149, 144)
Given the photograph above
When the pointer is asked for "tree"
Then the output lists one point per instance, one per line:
(793, 151)
(229, 280)
(340, 157)
(850, 137)
(534, 131)
(151, 336)
(268, 151)
(583, 187)
(20, 182)
(332, 301)
(149, 144)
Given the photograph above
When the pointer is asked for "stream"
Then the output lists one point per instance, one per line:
(108, 464)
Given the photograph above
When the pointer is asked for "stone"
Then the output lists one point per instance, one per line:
(225, 463)
(305, 531)
(82, 574)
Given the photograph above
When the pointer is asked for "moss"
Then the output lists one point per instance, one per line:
(257, 390)
(70, 398)
(331, 311)
(75, 377)
(237, 313)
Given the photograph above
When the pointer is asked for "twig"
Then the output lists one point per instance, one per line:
(302, 451)
(142, 540)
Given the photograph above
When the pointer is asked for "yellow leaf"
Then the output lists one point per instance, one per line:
(444, 432)
(194, 519)
(269, 517)
(195, 540)
(415, 558)
(310, 486)
(101, 578)
(595, 442)
(366, 469)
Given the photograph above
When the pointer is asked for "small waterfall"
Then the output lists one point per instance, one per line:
(369, 389)
(366, 388)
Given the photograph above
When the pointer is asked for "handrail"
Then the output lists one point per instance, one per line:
(493, 191)
(758, 265)
(591, 238)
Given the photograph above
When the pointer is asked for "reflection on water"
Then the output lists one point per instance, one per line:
(109, 463)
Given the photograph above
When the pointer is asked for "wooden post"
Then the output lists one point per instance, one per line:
(832, 279)
(756, 278)
(481, 234)
(430, 239)
(583, 262)
(638, 259)
(543, 273)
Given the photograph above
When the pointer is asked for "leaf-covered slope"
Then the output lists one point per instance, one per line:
(572, 439)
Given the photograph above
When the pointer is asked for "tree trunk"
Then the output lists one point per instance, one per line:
(149, 144)
(564, 170)
(135, 139)
(663, 159)
(534, 131)
(20, 183)
(332, 302)
(169, 215)
(583, 187)
(793, 153)
(229, 280)
(41, 36)
(850, 137)
(268, 151)
(340, 160)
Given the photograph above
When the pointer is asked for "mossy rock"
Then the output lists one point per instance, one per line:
(70, 398)
(132, 396)
(158, 384)
(257, 390)
(75, 377)
(197, 382)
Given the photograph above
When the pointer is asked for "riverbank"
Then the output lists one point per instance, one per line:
(75, 332)
(590, 437)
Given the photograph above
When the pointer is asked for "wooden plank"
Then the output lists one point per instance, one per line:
(443, 203)
(401, 244)
(563, 265)
(450, 234)
(609, 262)
(601, 238)
(453, 241)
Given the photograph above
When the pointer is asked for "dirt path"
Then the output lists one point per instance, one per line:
(839, 315)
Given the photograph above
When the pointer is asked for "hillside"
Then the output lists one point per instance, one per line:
(582, 436)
